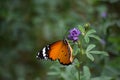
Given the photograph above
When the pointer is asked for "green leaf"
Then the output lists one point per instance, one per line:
(53, 73)
(99, 52)
(86, 72)
(55, 68)
(76, 62)
(94, 36)
(65, 77)
(86, 39)
(90, 32)
(90, 47)
(76, 50)
(90, 56)
(102, 78)
(82, 29)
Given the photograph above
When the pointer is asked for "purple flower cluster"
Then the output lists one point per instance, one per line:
(103, 14)
(73, 34)
(102, 41)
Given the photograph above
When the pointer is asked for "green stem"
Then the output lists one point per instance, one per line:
(81, 52)
(80, 46)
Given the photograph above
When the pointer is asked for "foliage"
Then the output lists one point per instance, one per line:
(75, 72)
(25, 26)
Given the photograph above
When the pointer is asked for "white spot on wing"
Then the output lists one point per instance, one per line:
(37, 55)
(48, 47)
(44, 53)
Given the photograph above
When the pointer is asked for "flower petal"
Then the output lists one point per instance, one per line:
(73, 34)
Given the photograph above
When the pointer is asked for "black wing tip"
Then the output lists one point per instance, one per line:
(37, 57)
(43, 54)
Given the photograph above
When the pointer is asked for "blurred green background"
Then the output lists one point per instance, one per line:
(28, 25)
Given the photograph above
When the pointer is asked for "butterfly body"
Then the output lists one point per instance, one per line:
(59, 50)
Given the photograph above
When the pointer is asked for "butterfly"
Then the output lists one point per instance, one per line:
(59, 50)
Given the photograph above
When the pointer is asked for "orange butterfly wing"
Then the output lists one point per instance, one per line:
(62, 51)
